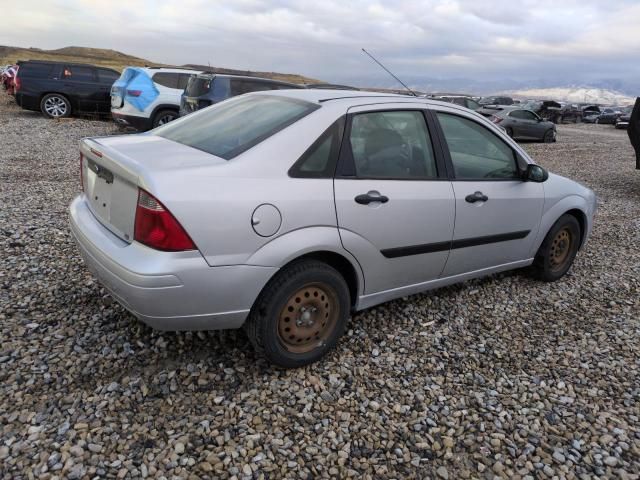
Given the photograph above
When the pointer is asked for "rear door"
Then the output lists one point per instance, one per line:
(81, 85)
(106, 79)
(394, 204)
(497, 213)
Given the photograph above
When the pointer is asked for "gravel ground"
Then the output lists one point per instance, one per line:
(500, 377)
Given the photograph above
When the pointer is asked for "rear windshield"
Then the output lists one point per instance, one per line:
(236, 125)
(198, 85)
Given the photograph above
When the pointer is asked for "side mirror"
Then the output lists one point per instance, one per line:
(535, 173)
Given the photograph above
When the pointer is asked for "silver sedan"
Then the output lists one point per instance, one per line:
(286, 211)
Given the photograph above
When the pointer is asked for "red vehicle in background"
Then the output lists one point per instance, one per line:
(8, 77)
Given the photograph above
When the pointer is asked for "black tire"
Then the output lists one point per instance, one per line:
(549, 137)
(55, 105)
(164, 116)
(552, 262)
(510, 132)
(266, 323)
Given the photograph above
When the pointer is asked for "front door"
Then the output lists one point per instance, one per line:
(394, 204)
(497, 214)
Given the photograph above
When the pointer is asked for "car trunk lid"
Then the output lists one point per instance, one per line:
(114, 168)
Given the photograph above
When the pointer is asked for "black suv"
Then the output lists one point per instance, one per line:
(208, 88)
(59, 89)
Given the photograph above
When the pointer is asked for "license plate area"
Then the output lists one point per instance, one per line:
(99, 189)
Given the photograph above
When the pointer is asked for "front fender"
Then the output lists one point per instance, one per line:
(554, 211)
(286, 248)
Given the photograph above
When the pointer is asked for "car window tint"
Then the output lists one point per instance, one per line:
(517, 114)
(476, 152)
(80, 74)
(166, 79)
(183, 79)
(36, 70)
(393, 144)
(526, 115)
(107, 76)
(238, 87)
(231, 127)
(472, 104)
(320, 158)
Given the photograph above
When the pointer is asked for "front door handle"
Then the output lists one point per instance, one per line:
(370, 197)
(476, 197)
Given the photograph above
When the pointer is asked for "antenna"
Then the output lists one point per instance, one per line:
(389, 72)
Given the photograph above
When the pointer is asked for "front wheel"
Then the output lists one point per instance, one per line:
(55, 105)
(558, 250)
(300, 315)
(549, 137)
(163, 117)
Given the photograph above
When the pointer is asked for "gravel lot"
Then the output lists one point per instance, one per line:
(501, 377)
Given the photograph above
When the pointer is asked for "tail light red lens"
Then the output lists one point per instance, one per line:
(17, 84)
(134, 93)
(155, 227)
(495, 119)
(81, 175)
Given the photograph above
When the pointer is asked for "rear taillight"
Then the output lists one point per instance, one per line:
(134, 93)
(17, 84)
(155, 227)
(81, 175)
(495, 119)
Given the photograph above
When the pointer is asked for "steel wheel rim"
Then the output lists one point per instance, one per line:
(165, 119)
(561, 249)
(55, 106)
(308, 318)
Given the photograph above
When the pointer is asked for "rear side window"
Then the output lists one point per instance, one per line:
(107, 76)
(239, 87)
(197, 85)
(476, 153)
(183, 79)
(319, 161)
(166, 79)
(35, 70)
(234, 126)
(392, 145)
(80, 74)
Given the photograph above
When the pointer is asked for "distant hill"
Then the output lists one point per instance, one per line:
(601, 96)
(95, 56)
(118, 60)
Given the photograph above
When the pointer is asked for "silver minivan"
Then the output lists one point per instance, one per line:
(286, 211)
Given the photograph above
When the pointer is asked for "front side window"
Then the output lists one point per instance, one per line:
(236, 125)
(392, 145)
(476, 152)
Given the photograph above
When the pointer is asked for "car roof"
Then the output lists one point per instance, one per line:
(355, 97)
(246, 77)
(72, 64)
(168, 70)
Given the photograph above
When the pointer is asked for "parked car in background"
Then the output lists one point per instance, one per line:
(496, 101)
(286, 211)
(145, 97)
(59, 89)
(622, 122)
(609, 116)
(547, 109)
(205, 89)
(523, 124)
(7, 78)
(570, 112)
(462, 100)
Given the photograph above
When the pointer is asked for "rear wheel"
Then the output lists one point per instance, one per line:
(300, 315)
(510, 132)
(163, 117)
(558, 250)
(549, 136)
(55, 105)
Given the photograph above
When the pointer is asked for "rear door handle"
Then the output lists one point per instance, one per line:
(476, 197)
(370, 197)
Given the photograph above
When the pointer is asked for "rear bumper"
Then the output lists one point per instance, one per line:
(166, 290)
(139, 123)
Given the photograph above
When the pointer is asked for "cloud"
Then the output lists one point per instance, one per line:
(566, 41)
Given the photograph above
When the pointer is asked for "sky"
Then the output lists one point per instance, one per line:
(495, 42)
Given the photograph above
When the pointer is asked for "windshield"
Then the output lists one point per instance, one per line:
(236, 125)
